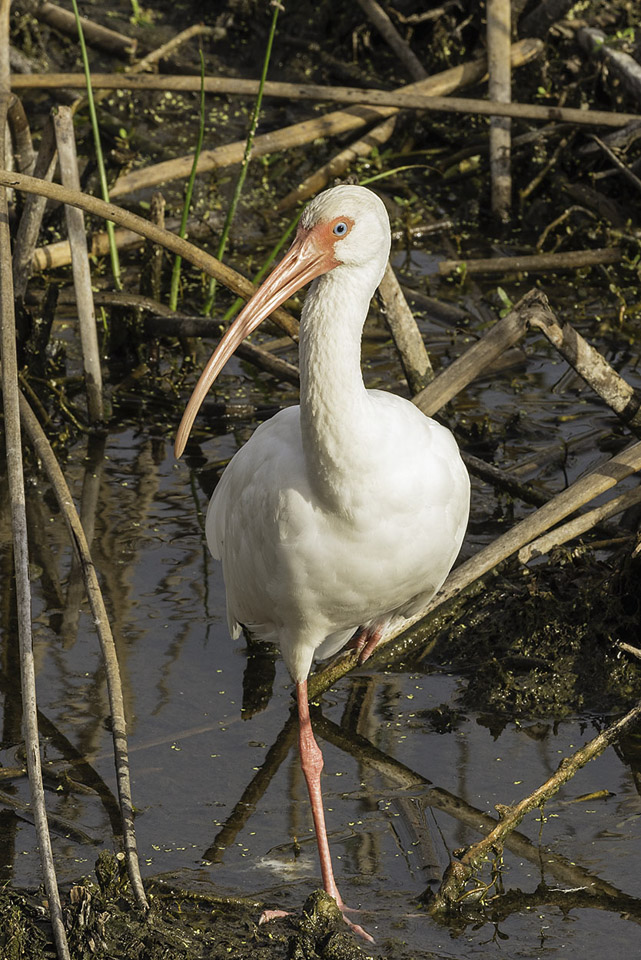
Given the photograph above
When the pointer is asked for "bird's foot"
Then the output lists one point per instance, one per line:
(319, 902)
(366, 640)
(355, 927)
(268, 915)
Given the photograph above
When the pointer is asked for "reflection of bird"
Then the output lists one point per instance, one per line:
(348, 510)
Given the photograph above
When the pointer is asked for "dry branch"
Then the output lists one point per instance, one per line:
(55, 255)
(594, 42)
(109, 211)
(32, 213)
(532, 311)
(331, 124)
(23, 152)
(591, 366)
(393, 38)
(364, 752)
(95, 34)
(580, 525)
(569, 260)
(500, 90)
(65, 140)
(415, 96)
(405, 333)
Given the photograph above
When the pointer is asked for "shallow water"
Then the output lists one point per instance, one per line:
(193, 757)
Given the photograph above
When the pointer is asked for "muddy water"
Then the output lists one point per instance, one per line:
(220, 798)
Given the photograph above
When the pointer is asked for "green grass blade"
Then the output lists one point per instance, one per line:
(175, 274)
(253, 123)
(113, 250)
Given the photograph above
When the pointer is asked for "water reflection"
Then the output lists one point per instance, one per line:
(216, 781)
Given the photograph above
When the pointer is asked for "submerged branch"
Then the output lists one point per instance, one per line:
(459, 872)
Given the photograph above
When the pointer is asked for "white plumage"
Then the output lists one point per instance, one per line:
(306, 575)
(348, 510)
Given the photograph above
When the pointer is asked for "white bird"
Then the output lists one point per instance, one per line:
(348, 511)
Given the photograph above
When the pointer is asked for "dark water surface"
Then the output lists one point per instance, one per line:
(192, 755)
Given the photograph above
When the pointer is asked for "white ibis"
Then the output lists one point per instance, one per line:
(348, 511)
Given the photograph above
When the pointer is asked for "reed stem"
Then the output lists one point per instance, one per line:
(175, 274)
(100, 160)
(253, 123)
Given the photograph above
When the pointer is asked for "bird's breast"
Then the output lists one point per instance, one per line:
(291, 561)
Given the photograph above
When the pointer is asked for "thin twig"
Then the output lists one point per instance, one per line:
(162, 52)
(101, 620)
(625, 170)
(10, 393)
(536, 262)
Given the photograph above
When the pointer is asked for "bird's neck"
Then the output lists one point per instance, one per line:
(335, 408)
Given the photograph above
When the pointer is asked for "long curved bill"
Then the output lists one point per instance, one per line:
(306, 259)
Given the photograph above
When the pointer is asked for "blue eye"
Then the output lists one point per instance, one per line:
(340, 229)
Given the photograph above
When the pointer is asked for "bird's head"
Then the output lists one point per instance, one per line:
(346, 226)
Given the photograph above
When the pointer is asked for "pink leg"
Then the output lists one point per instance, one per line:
(311, 760)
